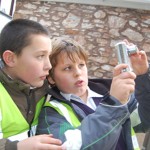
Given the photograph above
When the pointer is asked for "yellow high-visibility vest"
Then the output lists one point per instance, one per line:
(12, 123)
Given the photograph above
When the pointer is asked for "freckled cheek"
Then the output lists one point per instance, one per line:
(30, 75)
(32, 68)
(65, 83)
(33, 74)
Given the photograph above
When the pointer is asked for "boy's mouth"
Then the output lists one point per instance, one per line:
(79, 83)
(43, 77)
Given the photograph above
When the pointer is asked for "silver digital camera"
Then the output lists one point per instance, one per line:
(123, 52)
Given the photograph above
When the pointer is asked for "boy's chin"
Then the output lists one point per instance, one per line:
(37, 85)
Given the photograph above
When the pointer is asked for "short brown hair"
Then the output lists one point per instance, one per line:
(69, 46)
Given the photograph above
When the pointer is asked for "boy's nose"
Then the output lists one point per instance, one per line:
(77, 71)
(48, 65)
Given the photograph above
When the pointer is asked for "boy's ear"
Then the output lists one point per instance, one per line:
(9, 58)
(50, 80)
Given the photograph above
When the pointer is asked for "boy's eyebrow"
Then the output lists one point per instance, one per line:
(42, 50)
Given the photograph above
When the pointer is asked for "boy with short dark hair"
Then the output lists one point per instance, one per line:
(25, 47)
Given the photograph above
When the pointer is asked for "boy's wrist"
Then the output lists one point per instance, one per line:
(145, 74)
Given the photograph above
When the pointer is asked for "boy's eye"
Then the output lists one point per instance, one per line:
(40, 56)
(67, 68)
(81, 65)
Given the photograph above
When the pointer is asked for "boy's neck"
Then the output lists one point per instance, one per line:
(84, 96)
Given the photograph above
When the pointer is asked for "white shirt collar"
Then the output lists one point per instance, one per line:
(93, 94)
(90, 101)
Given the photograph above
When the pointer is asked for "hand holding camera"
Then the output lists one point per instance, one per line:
(129, 54)
(123, 52)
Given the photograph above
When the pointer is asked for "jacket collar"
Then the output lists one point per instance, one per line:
(16, 84)
(100, 86)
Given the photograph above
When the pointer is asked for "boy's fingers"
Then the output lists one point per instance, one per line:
(118, 69)
(143, 54)
(50, 140)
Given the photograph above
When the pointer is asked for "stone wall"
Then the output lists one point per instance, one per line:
(97, 28)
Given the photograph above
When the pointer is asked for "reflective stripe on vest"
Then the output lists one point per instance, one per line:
(64, 110)
(19, 137)
(12, 123)
(23, 135)
(134, 140)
